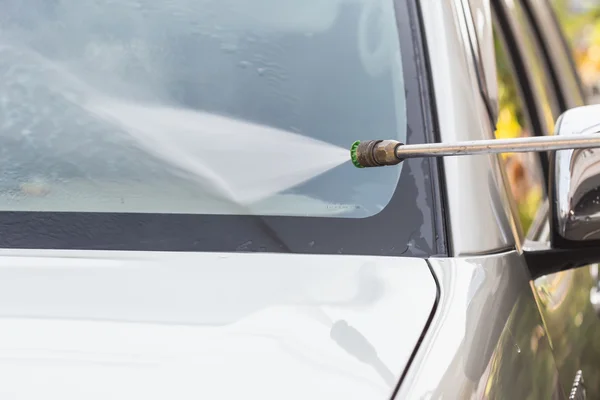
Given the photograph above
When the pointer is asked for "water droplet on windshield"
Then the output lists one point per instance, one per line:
(229, 47)
(244, 246)
(311, 244)
(244, 64)
(261, 71)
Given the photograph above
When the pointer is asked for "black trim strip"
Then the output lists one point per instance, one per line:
(432, 131)
(413, 355)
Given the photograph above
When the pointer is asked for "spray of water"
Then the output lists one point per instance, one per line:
(240, 161)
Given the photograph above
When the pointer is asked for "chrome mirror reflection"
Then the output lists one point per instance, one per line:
(575, 180)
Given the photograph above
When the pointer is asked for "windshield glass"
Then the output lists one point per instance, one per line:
(197, 106)
(214, 125)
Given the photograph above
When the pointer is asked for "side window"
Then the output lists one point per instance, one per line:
(529, 105)
(523, 170)
(581, 24)
(536, 70)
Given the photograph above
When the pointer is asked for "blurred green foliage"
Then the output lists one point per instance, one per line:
(582, 30)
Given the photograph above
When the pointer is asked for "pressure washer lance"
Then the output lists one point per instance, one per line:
(379, 153)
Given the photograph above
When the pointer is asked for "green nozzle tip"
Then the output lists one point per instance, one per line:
(353, 156)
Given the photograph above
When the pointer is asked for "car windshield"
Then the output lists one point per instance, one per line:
(148, 119)
(197, 106)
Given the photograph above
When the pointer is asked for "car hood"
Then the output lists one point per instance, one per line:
(124, 325)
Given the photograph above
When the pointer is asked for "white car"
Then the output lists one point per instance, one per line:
(180, 220)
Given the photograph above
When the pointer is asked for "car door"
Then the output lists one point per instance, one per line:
(564, 298)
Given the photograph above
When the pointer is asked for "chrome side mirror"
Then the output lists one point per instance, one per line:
(575, 183)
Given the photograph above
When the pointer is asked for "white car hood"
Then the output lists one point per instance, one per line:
(121, 325)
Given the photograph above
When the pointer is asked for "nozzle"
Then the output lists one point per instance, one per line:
(374, 153)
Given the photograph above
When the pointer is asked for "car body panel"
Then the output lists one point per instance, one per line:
(123, 325)
(462, 115)
(573, 324)
(487, 339)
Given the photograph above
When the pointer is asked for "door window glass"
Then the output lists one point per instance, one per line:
(523, 170)
(580, 22)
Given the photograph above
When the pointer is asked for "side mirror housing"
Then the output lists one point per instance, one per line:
(574, 200)
(574, 187)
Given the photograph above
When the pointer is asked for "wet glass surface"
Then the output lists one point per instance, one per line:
(89, 88)
(101, 101)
